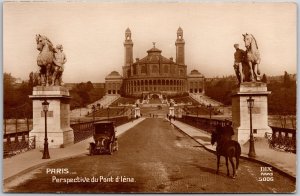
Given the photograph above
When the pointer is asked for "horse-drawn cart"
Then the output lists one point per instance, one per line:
(105, 138)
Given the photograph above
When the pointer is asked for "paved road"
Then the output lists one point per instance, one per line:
(153, 157)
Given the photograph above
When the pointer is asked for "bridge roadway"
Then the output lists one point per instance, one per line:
(154, 157)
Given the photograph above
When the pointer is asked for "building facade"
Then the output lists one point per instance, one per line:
(154, 73)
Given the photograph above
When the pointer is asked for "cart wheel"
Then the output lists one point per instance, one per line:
(110, 149)
(91, 151)
(116, 146)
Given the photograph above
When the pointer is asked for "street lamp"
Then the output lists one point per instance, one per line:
(93, 109)
(45, 106)
(209, 107)
(108, 113)
(250, 103)
(132, 113)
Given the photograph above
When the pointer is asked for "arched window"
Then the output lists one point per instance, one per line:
(134, 69)
(172, 70)
(181, 72)
(143, 69)
(166, 69)
(128, 72)
(154, 69)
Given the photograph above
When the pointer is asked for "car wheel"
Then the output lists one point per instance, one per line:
(116, 146)
(110, 149)
(91, 151)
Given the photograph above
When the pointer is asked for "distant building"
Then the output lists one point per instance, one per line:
(154, 73)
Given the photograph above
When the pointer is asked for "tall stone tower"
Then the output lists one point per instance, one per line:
(180, 47)
(128, 60)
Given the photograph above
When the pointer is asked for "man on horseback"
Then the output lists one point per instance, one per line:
(228, 130)
(238, 59)
(226, 146)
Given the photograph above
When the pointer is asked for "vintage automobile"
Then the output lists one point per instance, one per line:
(104, 137)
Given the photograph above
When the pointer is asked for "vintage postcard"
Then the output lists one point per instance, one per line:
(149, 97)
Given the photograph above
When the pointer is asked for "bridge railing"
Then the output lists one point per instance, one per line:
(15, 143)
(283, 139)
(205, 124)
(280, 139)
(85, 130)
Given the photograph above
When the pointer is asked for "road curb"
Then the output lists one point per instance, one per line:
(11, 178)
(284, 173)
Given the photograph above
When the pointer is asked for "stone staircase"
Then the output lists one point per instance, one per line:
(205, 100)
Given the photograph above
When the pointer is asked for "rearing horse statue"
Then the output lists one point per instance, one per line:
(51, 61)
(45, 59)
(253, 56)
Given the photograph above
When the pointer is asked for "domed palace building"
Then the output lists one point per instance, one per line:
(154, 73)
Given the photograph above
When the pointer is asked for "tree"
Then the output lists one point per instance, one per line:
(286, 80)
(264, 78)
(16, 98)
(85, 93)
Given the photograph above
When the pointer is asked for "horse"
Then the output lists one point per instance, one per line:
(253, 56)
(45, 59)
(227, 148)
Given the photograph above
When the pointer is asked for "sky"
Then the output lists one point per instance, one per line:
(92, 34)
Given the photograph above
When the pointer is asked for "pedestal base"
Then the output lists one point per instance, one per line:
(243, 135)
(241, 115)
(171, 111)
(59, 139)
(59, 131)
(137, 112)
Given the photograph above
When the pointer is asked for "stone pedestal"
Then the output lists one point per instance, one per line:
(137, 112)
(171, 111)
(59, 131)
(241, 113)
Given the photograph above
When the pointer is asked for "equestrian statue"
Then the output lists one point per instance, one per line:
(246, 63)
(51, 62)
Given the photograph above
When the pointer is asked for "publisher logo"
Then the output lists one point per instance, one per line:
(266, 174)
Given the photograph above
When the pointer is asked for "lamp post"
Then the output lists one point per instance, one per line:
(250, 103)
(108, 113)
(209, 107)
(133, 114)
(197, 111)
(45, 106)
(93, 109)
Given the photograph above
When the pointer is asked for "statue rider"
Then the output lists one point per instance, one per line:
(238, 59)
(59, 61)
